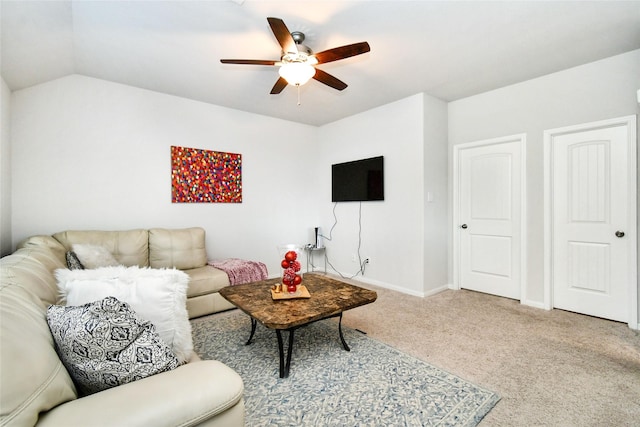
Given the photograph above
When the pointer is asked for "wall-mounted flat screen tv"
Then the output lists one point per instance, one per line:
(358, 181)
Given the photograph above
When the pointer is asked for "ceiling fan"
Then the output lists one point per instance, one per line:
(298, 63)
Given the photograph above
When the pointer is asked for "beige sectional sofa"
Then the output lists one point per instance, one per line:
(183, 249)
(35, 387)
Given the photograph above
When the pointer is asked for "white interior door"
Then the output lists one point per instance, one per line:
(593, 231)
(490, 217)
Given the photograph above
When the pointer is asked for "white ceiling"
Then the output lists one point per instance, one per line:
(447, 49)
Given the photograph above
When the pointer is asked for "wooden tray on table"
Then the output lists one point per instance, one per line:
(301, 292)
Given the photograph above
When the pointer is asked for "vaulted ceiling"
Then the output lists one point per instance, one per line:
(447, 49)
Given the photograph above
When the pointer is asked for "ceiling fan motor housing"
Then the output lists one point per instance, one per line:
(298, 37)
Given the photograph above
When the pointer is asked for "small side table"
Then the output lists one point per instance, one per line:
(311, 251)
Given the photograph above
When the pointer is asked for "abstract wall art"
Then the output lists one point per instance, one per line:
(204, 176)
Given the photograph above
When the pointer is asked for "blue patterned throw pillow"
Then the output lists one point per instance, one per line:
(104, 344)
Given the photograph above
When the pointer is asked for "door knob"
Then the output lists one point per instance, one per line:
(619, 233)
(465, 226)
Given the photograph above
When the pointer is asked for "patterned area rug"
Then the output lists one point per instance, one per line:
(372, 385)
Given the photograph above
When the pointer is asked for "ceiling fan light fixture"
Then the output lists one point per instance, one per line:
(297, 73)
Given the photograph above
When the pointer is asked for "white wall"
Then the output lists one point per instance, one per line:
(90, 154)
(392, 230)
(600, 90)
(436, 186)
(5, 169)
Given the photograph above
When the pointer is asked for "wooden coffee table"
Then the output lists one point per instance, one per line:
(329, 298)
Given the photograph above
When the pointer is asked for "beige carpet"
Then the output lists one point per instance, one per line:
(551, 368)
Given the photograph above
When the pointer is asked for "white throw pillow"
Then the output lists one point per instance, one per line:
(157, 295)
(94, 256)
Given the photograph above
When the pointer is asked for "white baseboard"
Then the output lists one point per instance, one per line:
(535, 304)
(431, 292)
(389, 286)
(400, 289)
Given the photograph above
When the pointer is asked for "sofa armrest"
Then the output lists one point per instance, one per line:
(186, 396)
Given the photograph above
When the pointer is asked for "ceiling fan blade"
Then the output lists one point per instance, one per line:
(329, 80)
(279, 86)
(283, 35)
(342, 52)
(248, 61)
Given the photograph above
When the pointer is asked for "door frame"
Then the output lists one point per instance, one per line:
(630, 123)
(520, 138)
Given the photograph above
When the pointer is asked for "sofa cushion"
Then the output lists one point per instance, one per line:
(50, 245)
(129, 247)
(156, 295)
(207, 304)
(104, 344)
(182, 248)
(32, 377)
(93, 256)
(205, 280)
(33, 266)
(206, 393)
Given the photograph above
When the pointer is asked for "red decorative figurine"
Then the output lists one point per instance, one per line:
(290, 278)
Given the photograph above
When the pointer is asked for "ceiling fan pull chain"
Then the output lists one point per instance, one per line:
(298, 86)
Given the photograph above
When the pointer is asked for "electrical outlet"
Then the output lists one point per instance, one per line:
(354, 258)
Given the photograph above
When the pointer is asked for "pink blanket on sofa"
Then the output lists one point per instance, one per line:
(241, 271)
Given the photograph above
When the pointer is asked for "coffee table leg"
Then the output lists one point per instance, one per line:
(344, 343)
(280, 352)
(254, 322)
(289, 351)
(284, 368)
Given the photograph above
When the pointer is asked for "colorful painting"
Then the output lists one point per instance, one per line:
(204, 176)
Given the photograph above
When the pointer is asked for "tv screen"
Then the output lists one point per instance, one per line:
(358, 181)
